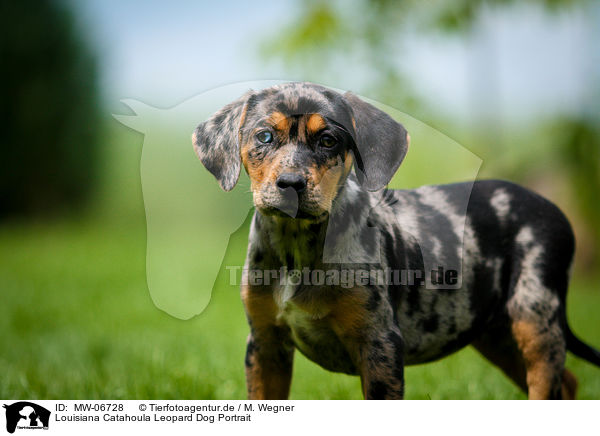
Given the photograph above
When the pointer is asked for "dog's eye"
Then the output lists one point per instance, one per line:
(328, 141)
(264, 136)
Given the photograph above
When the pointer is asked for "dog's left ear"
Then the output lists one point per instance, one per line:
(380, 141)
(217, 142)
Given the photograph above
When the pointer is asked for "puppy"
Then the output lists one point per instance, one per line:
(364, 280)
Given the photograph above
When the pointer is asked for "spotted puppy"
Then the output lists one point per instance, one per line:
(431, 270)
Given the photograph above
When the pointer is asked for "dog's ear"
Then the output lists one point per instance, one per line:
(381, 144)
(217, 142)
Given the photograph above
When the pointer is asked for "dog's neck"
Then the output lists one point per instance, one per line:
(293, 242)
(298, 243)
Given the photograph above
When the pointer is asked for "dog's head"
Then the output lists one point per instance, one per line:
(298, 143)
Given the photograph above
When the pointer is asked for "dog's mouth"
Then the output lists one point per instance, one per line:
(290, 204)
(286, 207)
(297, 214)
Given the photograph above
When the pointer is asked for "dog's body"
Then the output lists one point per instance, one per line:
(486, 263)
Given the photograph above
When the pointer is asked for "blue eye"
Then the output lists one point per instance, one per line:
(264, 136)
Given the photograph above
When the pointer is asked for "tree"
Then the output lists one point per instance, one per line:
(49, 110)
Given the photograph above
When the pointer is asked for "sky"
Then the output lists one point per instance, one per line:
(519, 63)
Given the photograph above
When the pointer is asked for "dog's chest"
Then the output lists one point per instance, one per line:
(311, 330)
(299, 317)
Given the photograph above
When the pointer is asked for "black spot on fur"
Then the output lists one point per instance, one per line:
(391, 252)
(481, 300)
(430, 324)
(413, 300)
(389, 198)
(303, 335)
(377, 390)
(258, 256)
(289, 259)
(451, 327)
(398, 346)
(220, 117)
(315, 228)
(294, 129)
(376, 356)
(308, 106)
(374, 299)
(257, 224)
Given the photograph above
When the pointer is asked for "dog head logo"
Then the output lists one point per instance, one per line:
(26, 415)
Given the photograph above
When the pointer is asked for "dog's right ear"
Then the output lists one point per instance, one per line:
(217, 141)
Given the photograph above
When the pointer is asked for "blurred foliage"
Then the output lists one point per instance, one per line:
(326, 34)
(49, 110)
(578, 145)
(326, 31)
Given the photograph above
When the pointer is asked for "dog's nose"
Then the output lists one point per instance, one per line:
(291, 180)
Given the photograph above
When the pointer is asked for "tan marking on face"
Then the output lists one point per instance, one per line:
(347, 164)
(315, 124)
(263, 170)
(256, 168)
(534, 348)
(277, 164)
(326, 181)
(279, 121)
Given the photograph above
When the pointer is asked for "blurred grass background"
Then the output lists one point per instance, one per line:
(75, 314)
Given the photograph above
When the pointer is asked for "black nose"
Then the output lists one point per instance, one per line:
(291, 180)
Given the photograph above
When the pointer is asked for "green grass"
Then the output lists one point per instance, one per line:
(77, 321)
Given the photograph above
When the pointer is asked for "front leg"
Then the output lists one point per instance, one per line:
(381, 366)
(364, 323)
(270, 350)
(269, 362)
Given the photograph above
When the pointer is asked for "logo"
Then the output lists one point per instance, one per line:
(26, 415)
